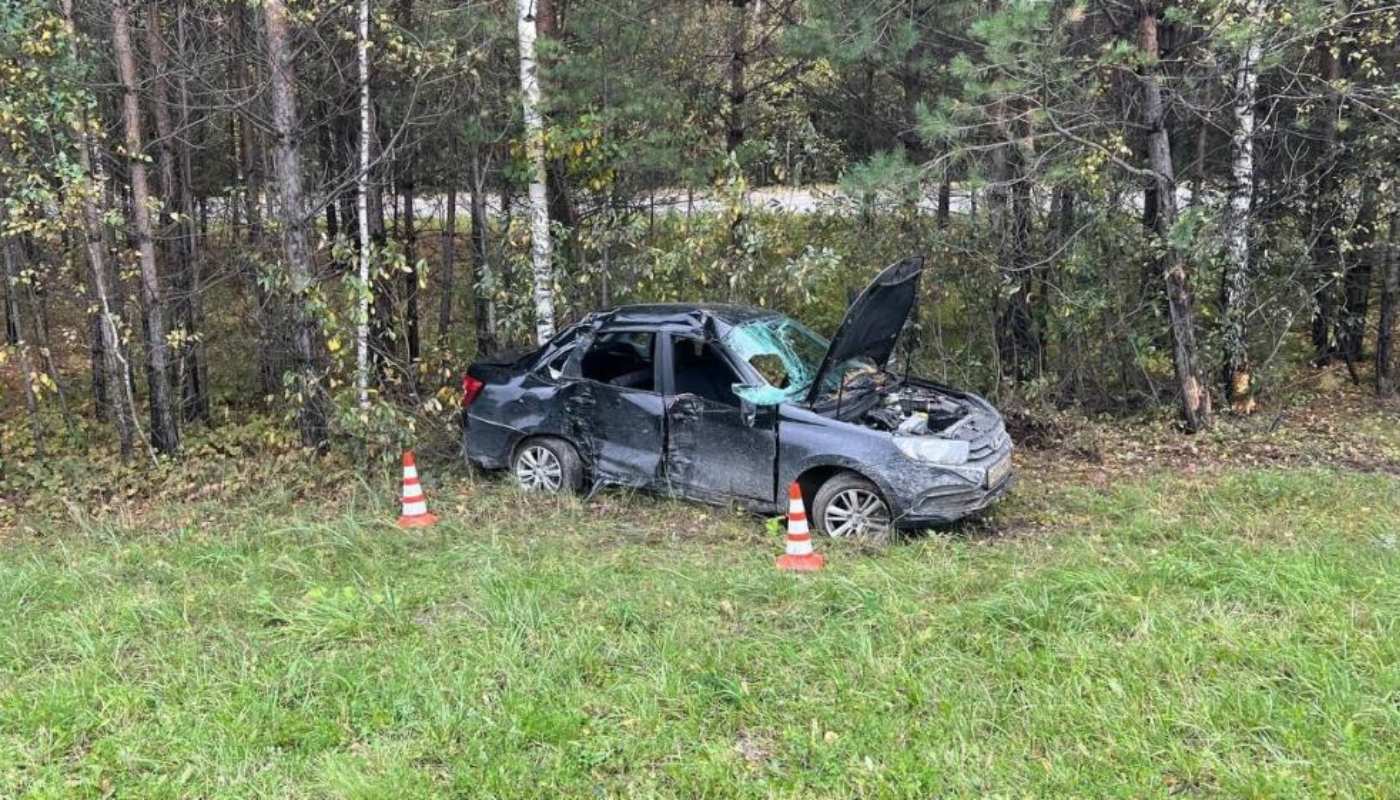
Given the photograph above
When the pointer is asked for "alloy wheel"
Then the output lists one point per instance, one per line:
(538, 470)
(858, 514)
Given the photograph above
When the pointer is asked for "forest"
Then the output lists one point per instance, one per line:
(320, 211)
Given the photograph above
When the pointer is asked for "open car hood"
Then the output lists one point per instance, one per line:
(873, 322)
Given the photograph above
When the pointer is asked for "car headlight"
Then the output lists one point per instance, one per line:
(939, 451)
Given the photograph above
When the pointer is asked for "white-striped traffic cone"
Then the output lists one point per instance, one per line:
(415, 506)
(799, 556)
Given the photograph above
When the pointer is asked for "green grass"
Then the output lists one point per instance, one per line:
(1236, 637)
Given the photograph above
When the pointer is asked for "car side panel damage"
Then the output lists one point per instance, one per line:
(619, 432)
(714, 454)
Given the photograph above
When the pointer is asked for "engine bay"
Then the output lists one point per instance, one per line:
(916, 411)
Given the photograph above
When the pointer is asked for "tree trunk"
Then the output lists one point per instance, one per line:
(1390, 294)
(945, 201)
(330, 163)
(1064, 231)
(563, 213)
(1326, 212)
(96, 355)
(114, 375)
(165, 436)
(541, 251)
(407, 180)
(1235, 229)
(410, 275)
(1017, 340)
(176, 260)
(483, 285)
(738, 58)
(11, 323)
(165, 134)
(311, 416)
(243, 77)
(40, 339)
(362, 298)
(1356, 293)
(449, 258)
(1017, 353)
(383, 347)
(1195, 396)
(179, 221)
(249, 163)
(191, 231)
(26, 367)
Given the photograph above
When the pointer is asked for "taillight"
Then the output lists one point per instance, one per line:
(471, 387)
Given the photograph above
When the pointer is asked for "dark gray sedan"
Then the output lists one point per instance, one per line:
(731, 404)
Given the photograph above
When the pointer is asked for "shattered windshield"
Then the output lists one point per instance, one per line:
(780, 349)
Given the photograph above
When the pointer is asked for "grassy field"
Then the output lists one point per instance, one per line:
(1230, 636)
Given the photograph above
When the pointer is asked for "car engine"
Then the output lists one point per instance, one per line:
(916, 410)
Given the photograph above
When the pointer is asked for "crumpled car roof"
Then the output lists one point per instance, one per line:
(681, 315)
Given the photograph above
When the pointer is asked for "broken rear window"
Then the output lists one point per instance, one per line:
(780, 349)
(621, 359)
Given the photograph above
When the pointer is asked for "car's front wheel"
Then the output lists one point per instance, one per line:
(546, 464)
(850, 507)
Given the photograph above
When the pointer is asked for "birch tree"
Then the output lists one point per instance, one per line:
(362, 213)
(116, 375)
(541, 252)
(1235, 228)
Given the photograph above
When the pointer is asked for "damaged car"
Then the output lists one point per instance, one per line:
(731, 404)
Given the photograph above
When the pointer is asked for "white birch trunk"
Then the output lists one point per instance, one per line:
(1235, 226)
(362, 211)
(116, 370)
(540, 246)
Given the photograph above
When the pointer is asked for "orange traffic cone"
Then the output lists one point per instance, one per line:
(415, 506)
(799, 556)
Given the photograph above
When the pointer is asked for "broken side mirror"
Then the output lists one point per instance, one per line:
(752, 397)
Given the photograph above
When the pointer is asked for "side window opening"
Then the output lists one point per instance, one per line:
(621, 359)
(554, 368)
(702, 370)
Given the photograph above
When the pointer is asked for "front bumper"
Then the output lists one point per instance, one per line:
(942, 508)
(929, 496)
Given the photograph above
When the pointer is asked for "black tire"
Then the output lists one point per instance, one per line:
(547, 464)
(848, 506)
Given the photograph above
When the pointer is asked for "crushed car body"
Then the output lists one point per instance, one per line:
(731, 404)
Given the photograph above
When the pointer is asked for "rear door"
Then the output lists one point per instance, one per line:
(712, 452)
(615, 410)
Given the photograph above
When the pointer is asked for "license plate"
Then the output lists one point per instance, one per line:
(998, 472)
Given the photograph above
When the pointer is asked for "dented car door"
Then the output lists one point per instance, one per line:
(615, 412)
(716, 448)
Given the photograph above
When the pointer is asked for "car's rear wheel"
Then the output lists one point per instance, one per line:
(546, 464)
(850, 507)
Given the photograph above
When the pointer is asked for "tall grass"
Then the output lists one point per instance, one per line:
(1236, 638)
